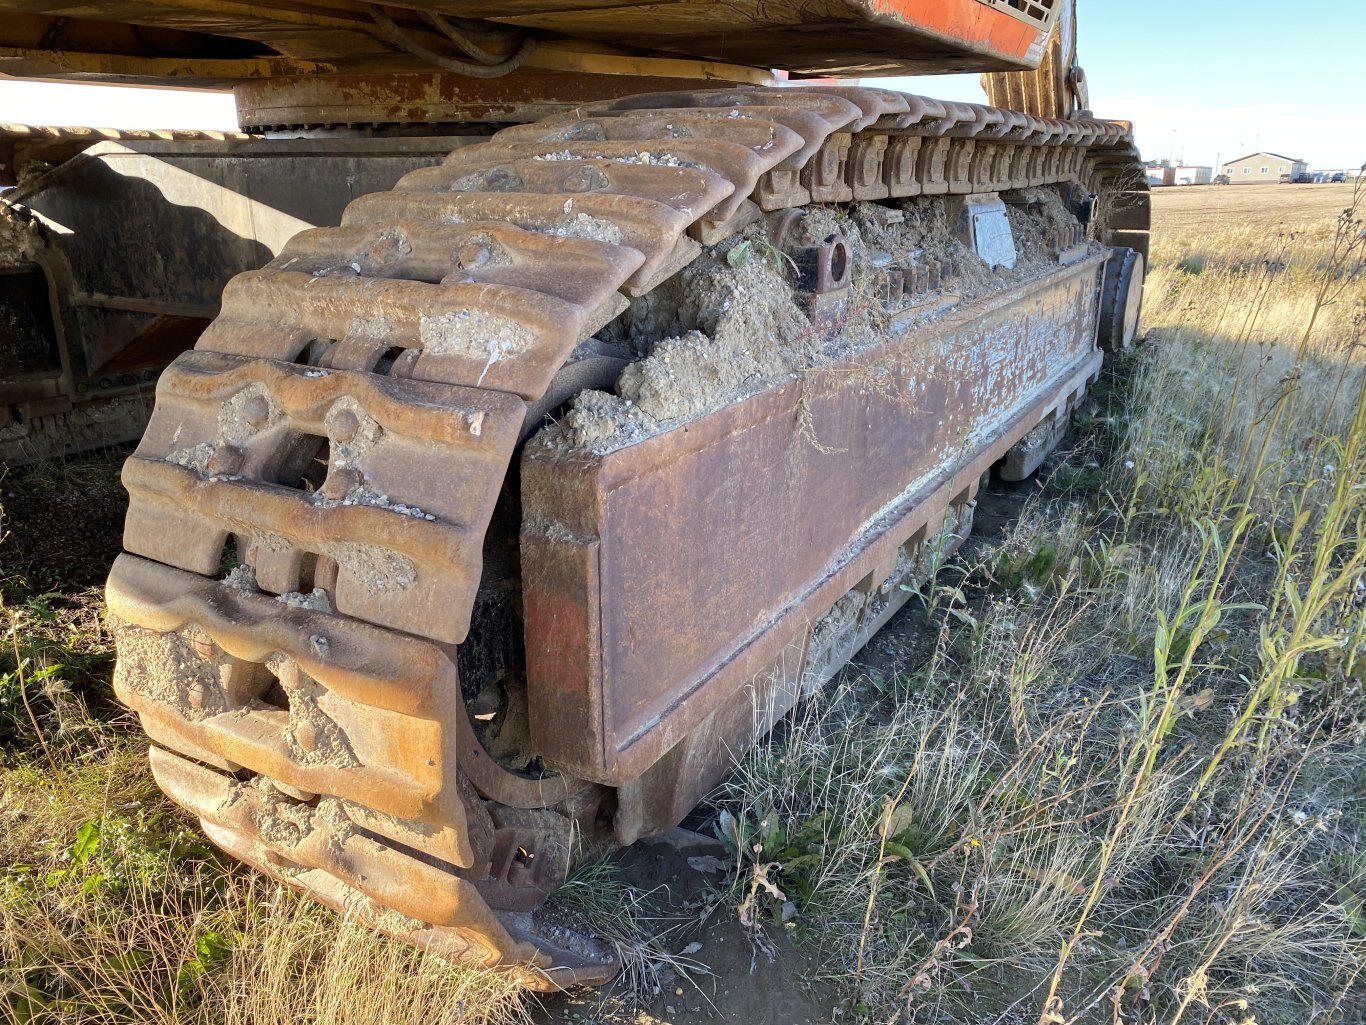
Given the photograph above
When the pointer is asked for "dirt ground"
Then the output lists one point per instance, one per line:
(61, 523)
(1195, 209)
(734, 981)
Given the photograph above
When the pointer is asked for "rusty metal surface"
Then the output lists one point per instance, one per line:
(185, 211)
(1052, 89)
(675, 783)
(392, 531)
(345, 426)
(216, 42)
(636, 631)
(324, 850)
(26, 149)
(855, 39)
(362, 713)
(425, 97)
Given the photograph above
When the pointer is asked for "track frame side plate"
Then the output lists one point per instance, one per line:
(659, 578)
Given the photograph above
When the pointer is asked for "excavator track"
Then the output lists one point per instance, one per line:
(308, 508)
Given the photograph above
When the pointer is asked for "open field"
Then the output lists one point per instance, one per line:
(1109, 769)
(1184, 214)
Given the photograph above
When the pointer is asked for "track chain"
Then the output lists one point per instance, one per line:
(28, 148)
(345, 425)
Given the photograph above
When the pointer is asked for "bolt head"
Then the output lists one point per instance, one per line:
(344, 426)
(581, 180)
(389, 248)
(256, 410)
(225, 461)
(340, 482)
(472, 255)
(306, 736)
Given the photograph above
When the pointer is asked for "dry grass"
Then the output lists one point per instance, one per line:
(1214, 214)
(1128, 785)
(114, 910)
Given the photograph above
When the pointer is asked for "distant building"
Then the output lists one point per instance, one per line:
(1190, 174)
(1263, 167)
(1160, 174)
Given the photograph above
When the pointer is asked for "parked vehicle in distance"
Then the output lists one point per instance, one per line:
(1221, 179)
(1337, 176)
(1302, 178)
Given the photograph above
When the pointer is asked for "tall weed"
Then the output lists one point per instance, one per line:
(1128, 784)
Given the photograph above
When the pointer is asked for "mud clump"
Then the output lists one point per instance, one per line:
(313, 601)
(733, 323)
(744, 301)
(331, 816)
(729, 328)
(595, 418)
(586, 226)
(922, 235)
(280, 820)
(285, 822)
(685, 377)
(242, 578)
(378, 569)
(169, 670)
(647, 318)
(475, 334)
(1035, 223)
(313, 737)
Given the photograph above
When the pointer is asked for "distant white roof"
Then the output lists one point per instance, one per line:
(1266, 153)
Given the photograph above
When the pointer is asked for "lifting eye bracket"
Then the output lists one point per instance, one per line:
(823, 268)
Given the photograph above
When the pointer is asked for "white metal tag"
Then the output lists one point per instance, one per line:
(991, 235)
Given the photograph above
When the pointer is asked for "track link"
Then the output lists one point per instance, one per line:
(308, 505)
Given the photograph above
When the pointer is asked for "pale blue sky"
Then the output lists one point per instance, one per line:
(1201, 76)
(1202, 81)
(1209, 81)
